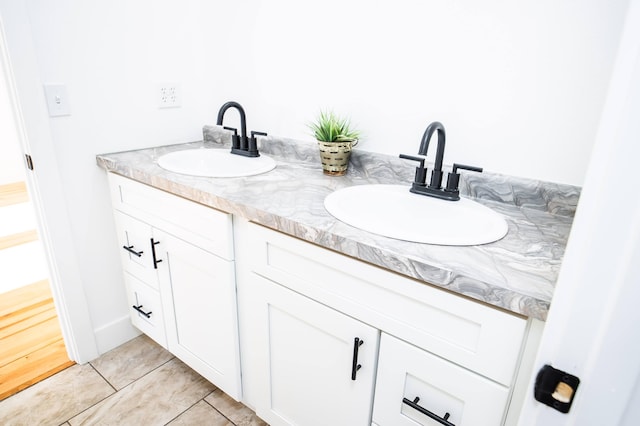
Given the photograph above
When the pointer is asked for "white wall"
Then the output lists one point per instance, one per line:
(518, 85)
(11, 162)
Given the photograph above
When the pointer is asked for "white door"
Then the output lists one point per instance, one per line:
(319, 363)
(199, 299)
(593, 328)
(21, 74)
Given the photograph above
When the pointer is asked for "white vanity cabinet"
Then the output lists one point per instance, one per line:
(321, 338)
(301, 307)
(179, 269)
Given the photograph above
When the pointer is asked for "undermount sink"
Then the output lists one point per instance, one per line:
(393, 211)
(216, 163)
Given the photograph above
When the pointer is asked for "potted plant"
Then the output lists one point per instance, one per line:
(335, 138)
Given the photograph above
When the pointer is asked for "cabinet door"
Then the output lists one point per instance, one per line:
(199, 299)
(442, 388)
(315, 370)
(134, 241)
(145, 309)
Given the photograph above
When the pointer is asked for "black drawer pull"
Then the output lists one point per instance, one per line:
(414, 404)
(132, 251)
(354, 365)
(139, 309)
(153, 253)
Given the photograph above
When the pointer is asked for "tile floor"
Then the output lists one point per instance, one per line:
(138, 383)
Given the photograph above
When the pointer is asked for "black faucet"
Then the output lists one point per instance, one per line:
(434, 189)
(436, 174)
(240, 145)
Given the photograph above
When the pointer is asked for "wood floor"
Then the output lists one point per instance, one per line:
(31, 345)
(13, 193)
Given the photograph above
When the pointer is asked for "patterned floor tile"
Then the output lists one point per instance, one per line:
(56, 399)
(127, 363)
(233, 410)
(155, 399)
(201, 414)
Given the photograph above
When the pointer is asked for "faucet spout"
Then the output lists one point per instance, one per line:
(243, 119)
(436, 175)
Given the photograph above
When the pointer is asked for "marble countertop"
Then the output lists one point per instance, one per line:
(516, 273)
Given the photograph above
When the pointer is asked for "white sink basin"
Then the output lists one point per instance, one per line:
(215, 163)
(393, 211)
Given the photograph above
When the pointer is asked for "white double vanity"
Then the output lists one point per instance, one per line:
(308, 336)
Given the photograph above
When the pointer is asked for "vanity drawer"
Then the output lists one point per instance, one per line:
(136, 252)
(148, 317)
(203, 226)
(406, 373)
(475, 336)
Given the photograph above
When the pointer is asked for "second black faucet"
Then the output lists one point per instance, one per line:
(434, 189)
(240, 145)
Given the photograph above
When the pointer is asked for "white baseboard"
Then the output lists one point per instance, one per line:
(115, 334)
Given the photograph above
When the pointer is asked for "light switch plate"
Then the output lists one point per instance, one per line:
(57, 100)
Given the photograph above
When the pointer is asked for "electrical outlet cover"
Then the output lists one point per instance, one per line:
(168, 95)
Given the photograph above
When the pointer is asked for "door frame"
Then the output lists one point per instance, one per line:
(18, 69)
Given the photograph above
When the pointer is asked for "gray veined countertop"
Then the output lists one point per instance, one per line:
(517, 273)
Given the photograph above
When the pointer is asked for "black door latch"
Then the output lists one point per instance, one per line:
(555, 388)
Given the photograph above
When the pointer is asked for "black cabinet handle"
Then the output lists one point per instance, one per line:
(153, 253)
(354, 365)
(139, 309)
(414, 404)
(132, 251)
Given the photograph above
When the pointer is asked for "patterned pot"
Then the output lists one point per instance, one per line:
(335, 157)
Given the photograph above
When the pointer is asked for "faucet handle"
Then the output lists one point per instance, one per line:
(421, 172)
(453, 178)
(235, 139)
(465, 167)
(234, 130)
(253, 143)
